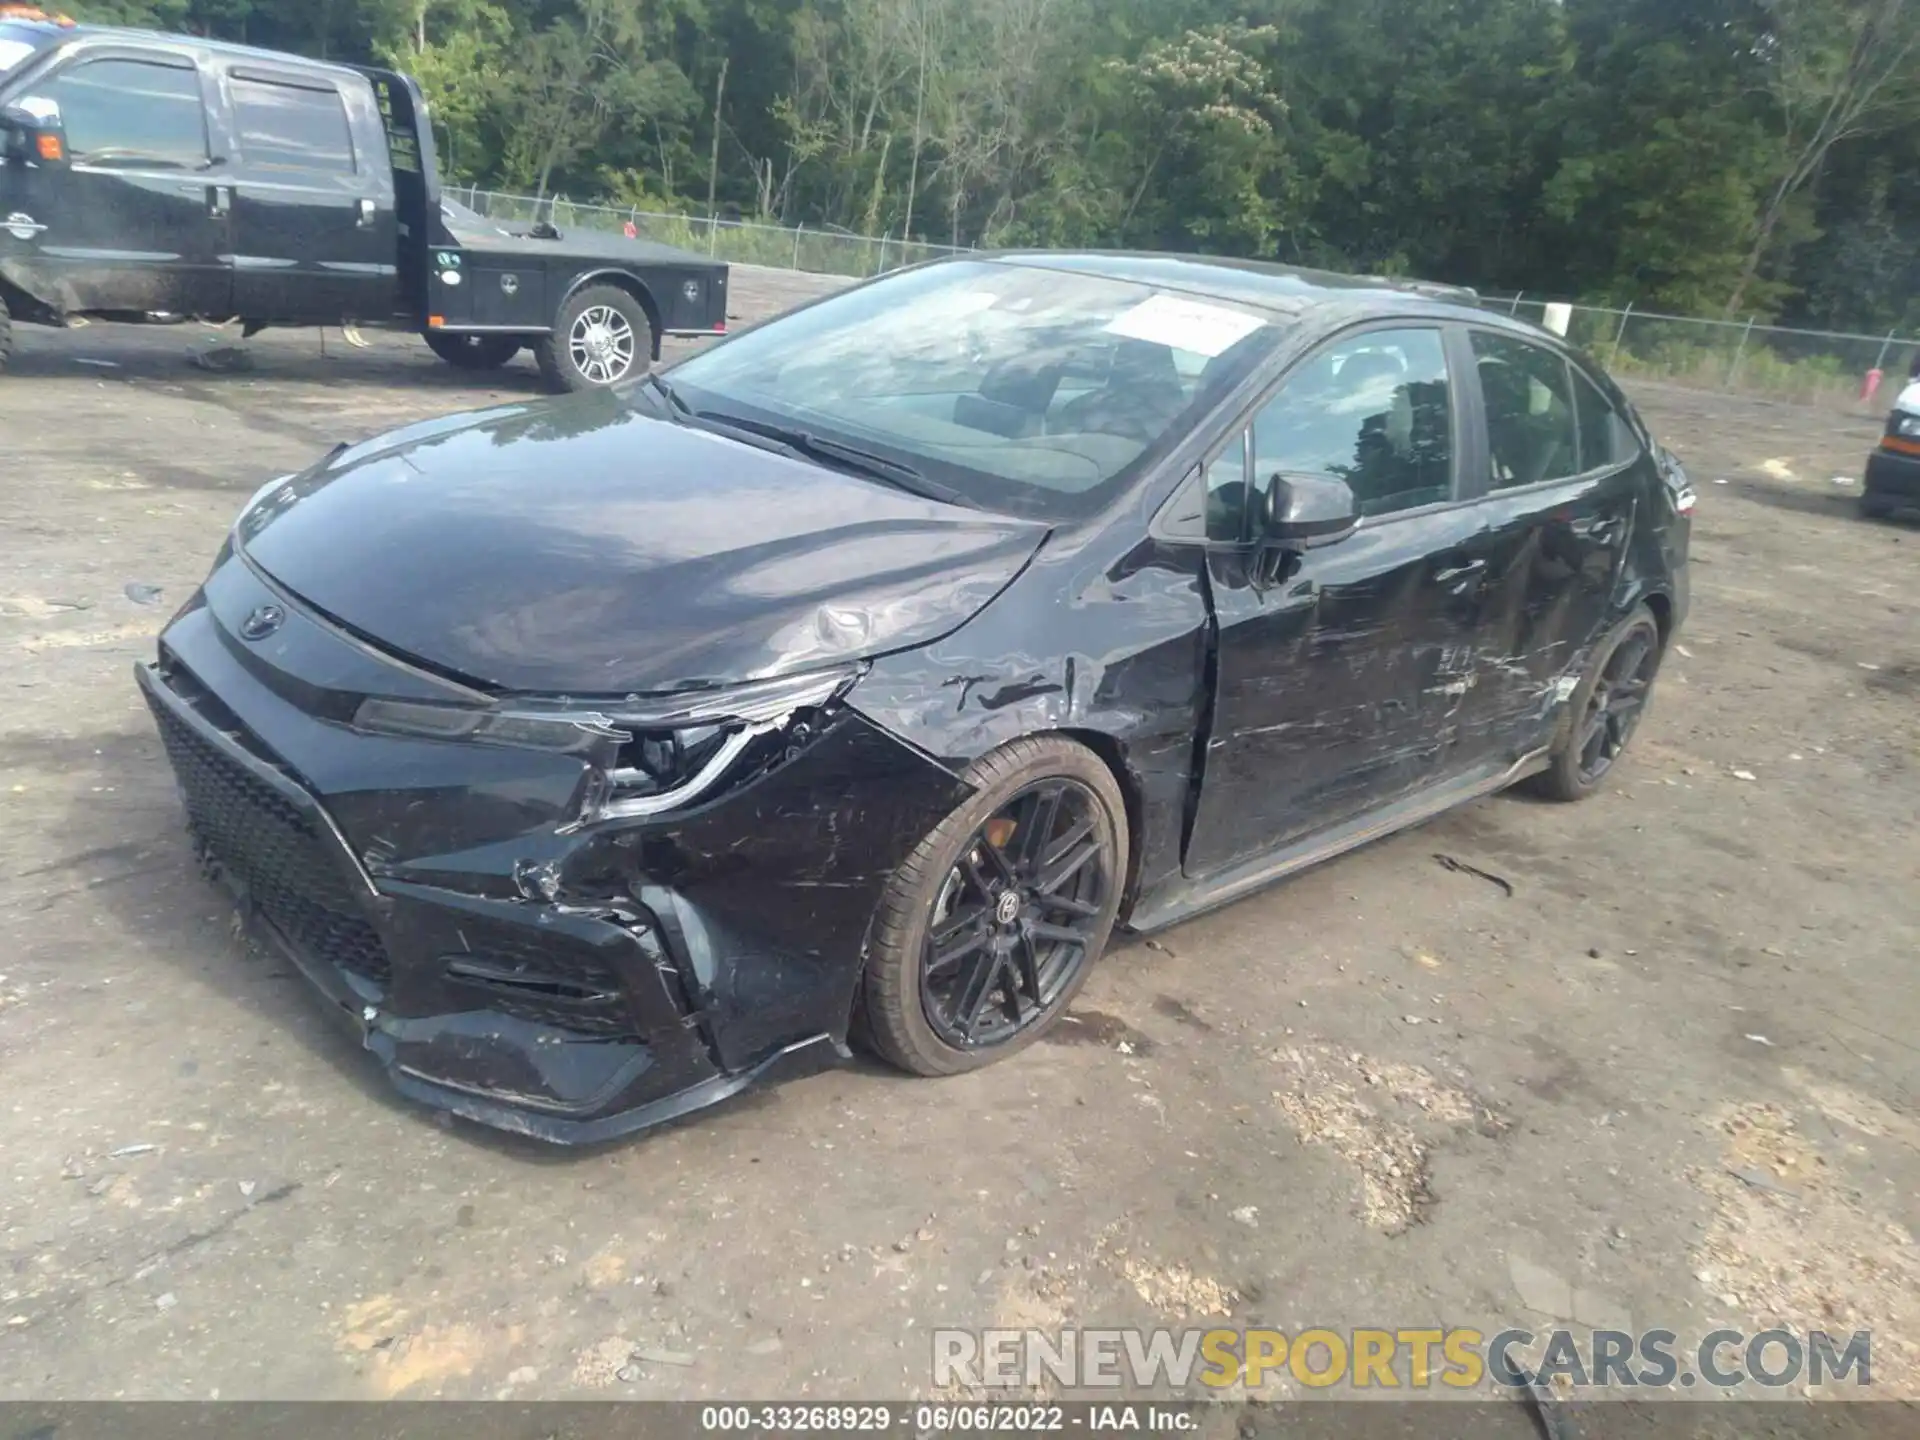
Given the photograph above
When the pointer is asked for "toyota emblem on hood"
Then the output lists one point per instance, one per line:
(264, 620)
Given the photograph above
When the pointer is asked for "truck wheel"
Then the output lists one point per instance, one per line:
(473, 352)
(6, 333)
(601, 337)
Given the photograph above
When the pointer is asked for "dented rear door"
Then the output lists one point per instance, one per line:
(1552, 546)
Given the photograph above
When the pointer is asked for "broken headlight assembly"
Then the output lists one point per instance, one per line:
(646, 756)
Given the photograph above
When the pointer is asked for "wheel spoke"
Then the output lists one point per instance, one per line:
(948, 956)
(1066, 904)
(1060, 934)
(1027, 965)
(971, 996)
(998, 862)
(1077, 832)
(976, 877)
(1040, 824)
(1065, 869)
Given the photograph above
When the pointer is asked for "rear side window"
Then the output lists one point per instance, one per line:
(1605, 437)
(1530, 418)
(292, 127)
(128, 113)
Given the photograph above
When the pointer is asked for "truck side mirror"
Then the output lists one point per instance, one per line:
(31, 138)
(1301, 511)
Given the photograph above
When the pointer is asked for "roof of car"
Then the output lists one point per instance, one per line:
(1285, 288)
(64, 31)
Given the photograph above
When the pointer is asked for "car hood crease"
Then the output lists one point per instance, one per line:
(584, 547)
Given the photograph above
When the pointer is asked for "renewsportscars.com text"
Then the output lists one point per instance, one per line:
(1399, 1359)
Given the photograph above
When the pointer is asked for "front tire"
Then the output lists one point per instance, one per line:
(474, 352)
(601, 336)
(6, 334)
(989, 928)
(1605, 709)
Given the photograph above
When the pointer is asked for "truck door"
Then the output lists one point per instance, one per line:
(134, 222)
(313, 218)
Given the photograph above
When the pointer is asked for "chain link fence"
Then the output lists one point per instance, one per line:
(823, 252)
(1822, 367)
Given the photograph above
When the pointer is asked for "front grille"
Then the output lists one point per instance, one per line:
(274, 849)
(547, 978)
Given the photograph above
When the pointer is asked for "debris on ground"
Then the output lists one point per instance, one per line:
(1378, 1138)
(1447, 862)
(143, 594)
(224, 359)
(1791, 1243)
(1745, 775)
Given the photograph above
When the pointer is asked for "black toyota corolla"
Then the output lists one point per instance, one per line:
(858, 676)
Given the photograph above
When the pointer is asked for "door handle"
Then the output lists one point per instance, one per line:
(367, 212)
(219, 201)
(1463, 571)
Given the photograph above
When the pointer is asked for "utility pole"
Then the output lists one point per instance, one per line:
(713, 161)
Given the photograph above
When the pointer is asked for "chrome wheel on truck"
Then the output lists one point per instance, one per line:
(601, 337)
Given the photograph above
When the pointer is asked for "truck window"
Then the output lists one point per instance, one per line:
(128, 112)
(291, 127)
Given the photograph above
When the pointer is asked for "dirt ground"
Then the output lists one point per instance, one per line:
(1671, 1079)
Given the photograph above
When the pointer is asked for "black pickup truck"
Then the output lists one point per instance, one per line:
(155, 178)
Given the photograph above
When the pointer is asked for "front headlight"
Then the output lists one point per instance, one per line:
(647, 757)
(1907, 426)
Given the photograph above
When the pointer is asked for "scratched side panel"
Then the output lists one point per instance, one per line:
(1106, 639)
(1339, 684)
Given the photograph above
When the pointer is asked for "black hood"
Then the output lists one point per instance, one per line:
(582, 547)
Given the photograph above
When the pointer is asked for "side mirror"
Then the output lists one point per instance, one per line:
(40, 139)
(1301, 511)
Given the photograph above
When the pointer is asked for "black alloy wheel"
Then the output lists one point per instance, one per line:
(1017, 916)
(990, 927)
(1606, 709)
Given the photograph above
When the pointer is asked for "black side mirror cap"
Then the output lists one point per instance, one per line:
(1301, 511)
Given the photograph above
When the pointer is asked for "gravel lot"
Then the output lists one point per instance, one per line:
(1671, 1079)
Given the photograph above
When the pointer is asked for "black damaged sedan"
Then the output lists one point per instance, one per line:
(597, 757)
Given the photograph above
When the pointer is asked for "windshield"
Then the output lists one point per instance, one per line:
(1028, 390)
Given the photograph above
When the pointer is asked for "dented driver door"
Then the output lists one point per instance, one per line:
(1341, 671)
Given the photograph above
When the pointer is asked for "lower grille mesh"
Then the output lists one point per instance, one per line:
(274, 850)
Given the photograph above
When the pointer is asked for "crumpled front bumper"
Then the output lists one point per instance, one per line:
(568, 983)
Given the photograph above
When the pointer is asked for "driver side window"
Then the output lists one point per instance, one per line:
(1375, 410)
(130, 111)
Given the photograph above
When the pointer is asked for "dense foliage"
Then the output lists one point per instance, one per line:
(1706, 156)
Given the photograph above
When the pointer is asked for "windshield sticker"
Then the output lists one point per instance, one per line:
(1184, 325)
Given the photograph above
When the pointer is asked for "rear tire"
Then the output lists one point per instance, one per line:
(1605, 709)
(601, 337)
(1004, 908)
(1872, 507)
(474, 352)
(6, 334)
